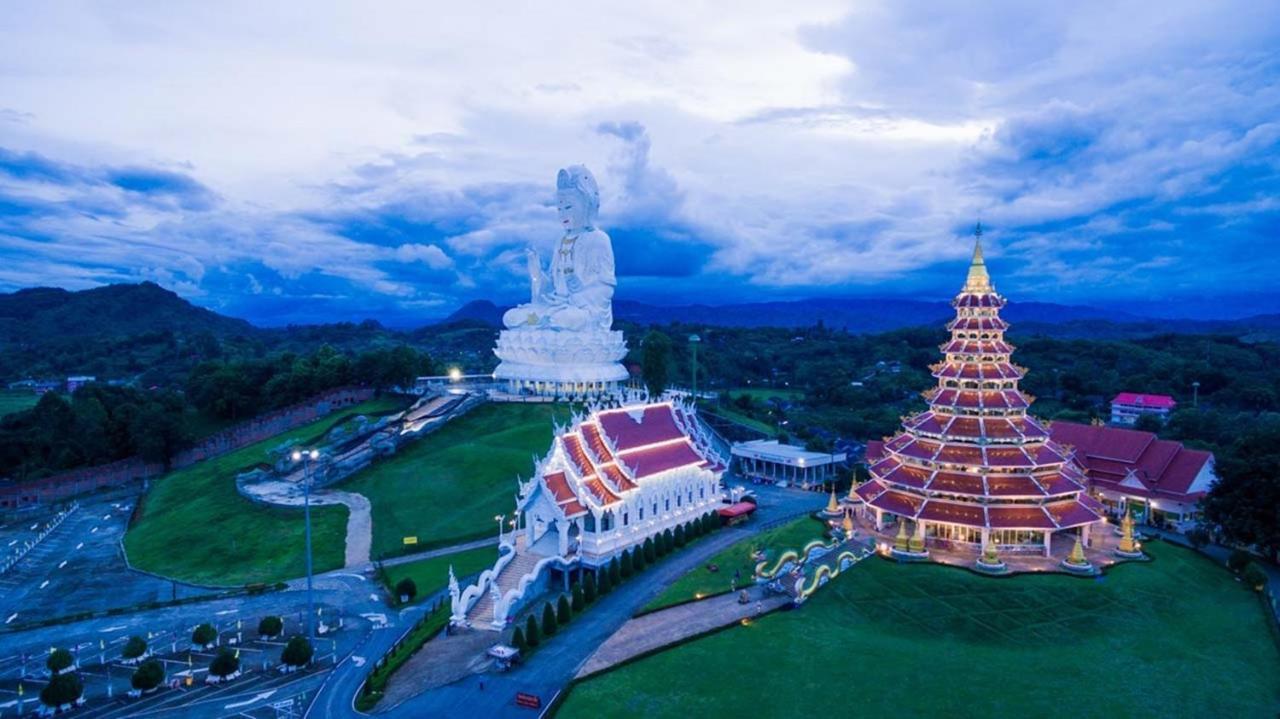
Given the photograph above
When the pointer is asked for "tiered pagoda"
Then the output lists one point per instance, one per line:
(975, 470)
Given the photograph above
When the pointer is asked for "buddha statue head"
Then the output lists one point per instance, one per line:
(577, 199)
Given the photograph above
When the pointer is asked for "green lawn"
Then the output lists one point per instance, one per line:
(762, 394)
(734, 415)
(196, 527)
(447, 486)
(432, 574)
(1176, 637)
(737, 558)
(16, 400)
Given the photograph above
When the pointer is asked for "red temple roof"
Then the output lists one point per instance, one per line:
(1019, 518)
(1155, 401)
(656, 424)
(1159, 468)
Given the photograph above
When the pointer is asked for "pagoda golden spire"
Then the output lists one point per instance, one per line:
(832, 506)
(978, 282)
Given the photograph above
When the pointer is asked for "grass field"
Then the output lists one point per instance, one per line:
(16, 400)
(432, 574)
(737, 558)
(1176, 637)
(447, 486)
(762, 394)
(196, 527)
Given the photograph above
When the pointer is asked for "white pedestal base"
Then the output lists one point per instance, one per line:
(556, 363)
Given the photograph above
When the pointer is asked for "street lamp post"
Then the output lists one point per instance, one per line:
(1195, 393)
(498, 518)
(307, 458)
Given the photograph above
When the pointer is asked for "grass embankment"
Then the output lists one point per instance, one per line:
(1173, 637)
(737, 560)
(16, 400)
(447, 487)
(194, 526)
(428, 575)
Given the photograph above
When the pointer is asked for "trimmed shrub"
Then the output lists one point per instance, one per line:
(1254, 576)
(531, 631)
(563, 613)
(615, 574)
(204, 635)
(62, 689)
(298, 652)
(134, 648)
(517, 639)
(406, 589)
(680, 538)
(637, 559)
(270, 626)
(148, 675)
(578, 599)
(224, 664)
(1238, 560)
(549, 626)
(650, 554)
(668, 542)
(627, 564)
(606, 580)
(589, 588)
(58, 660)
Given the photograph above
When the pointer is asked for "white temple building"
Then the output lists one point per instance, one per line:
(611, 479)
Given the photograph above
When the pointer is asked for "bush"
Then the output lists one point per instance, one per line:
(58, 660)
(680, 538)
(1198, 537)
(62, 689)
(668, 542)
(298, 652)
(270, 626)
(134, 648)
(406, 588)
(548, 621)
(148, 675)
(589, 588)
(1238, 560)
(517, 640)
(626, 564)
(204, 635)
(637, 559)
(1254, 576)
(615, 573)
(563, 613)
(224, 664)
(531, 631)
(650, 554)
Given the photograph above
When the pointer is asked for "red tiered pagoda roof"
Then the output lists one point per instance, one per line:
(975, 458)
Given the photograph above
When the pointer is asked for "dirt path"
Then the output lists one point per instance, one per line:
(359, 524)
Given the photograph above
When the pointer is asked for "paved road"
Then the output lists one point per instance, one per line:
(551, 669)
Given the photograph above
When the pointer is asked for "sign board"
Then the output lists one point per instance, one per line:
(528, 701)
(410, 540)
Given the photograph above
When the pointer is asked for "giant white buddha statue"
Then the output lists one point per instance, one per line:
(561, 342)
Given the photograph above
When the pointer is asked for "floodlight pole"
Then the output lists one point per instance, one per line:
(307, 458)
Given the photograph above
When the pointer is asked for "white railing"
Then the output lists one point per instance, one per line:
(513, 595)
(473, 593)
(45, 531)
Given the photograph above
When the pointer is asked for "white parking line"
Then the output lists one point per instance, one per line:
(44, 584)
(11, 617)
(78, 546)
(63, 564)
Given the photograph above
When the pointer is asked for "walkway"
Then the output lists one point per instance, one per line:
(668, 626)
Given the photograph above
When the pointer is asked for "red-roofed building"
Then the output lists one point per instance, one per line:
(614, 478)
(1128, 406)
(1130, 468)
(974, 469)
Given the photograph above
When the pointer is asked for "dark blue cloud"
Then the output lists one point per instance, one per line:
(161, 185)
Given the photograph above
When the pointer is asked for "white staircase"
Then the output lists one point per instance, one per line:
(480, 615)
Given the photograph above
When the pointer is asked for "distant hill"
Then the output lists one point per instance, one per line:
(482, 311)
(39, 314)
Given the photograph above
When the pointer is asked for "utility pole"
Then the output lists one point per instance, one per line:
(307, 458)
(1195, 393)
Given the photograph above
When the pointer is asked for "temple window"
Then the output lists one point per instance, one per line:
(590, 523)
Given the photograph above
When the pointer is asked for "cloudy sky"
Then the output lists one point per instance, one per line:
(392, 160)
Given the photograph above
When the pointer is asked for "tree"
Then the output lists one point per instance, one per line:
(1198, 537)
(1244, 499)
(531, 631)
(668, 541)
(650, 554)
(1254, 576)
(615, 573)
(606, 579)
(627, 565)
(62, 689)
(517, 640)
(148, 675)
(406, 589)
(1147, 422)
(298, 652)
(204, 635)
(134, 648)
(1238, 560)
(59, 660)
(548, 620)
(270, 626)
(589, 588)
(579, 600)
(655, 362)
(159, 432)
(224, 664)
(563, 612)
(637, 559)
(680, 538)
